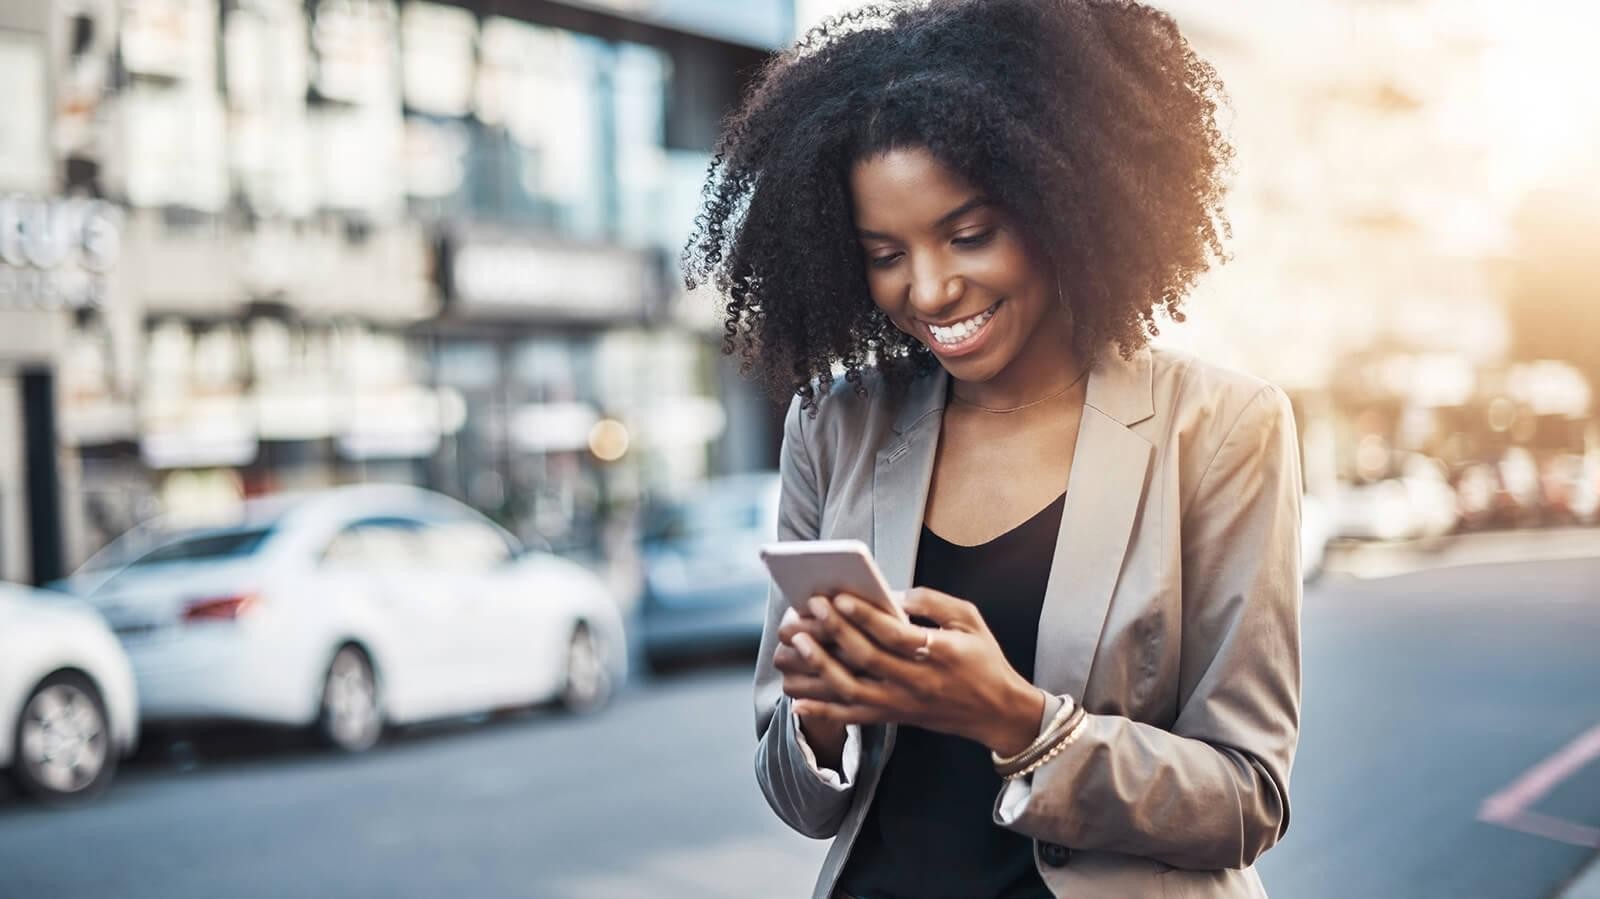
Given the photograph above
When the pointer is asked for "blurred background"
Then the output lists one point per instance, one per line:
(258, 257)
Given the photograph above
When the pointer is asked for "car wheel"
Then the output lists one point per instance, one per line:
(63, 748)
(351, 719)
(587, 682)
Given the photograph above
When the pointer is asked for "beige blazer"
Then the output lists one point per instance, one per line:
(1172, 613)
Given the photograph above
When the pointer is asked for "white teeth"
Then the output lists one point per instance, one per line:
(961, 330)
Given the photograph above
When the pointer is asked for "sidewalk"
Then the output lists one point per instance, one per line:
(1586, 885)
(1372, 559)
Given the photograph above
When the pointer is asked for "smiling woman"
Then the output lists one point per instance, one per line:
(1086, 130)
(977, 209)
(951, 268)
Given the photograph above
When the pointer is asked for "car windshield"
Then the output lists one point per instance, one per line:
(208, 546)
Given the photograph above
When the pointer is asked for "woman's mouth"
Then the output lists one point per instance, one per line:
(962, 336)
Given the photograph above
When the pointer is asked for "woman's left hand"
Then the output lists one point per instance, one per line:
(869, 672)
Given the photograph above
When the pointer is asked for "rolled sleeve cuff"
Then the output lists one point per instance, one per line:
(849, 759)
(1013, 798)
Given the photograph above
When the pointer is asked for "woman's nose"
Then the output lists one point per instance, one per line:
(933, 291)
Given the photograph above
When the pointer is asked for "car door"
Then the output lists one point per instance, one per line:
(379, 565)
(465, 556)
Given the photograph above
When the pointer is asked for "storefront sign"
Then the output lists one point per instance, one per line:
(56, 253)
(525, 279)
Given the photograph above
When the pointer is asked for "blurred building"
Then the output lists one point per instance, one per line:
(362, 240)
(55, 252)
(1383, 153)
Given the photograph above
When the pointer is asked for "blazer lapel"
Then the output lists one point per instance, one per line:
(901, 476)
(1105, 491)
(900, 479)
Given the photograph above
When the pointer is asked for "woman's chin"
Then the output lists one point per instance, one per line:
(974, 369)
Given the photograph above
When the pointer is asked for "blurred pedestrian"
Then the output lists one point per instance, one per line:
(974, 210)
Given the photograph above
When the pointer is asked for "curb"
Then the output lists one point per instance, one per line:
(1586, 885)
(1375, 560)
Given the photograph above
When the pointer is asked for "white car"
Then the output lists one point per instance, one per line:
(353, 608)
(1419, 504)
(68, 709)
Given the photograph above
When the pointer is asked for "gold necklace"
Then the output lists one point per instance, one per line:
(1044, 399)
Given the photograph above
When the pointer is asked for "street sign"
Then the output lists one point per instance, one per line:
(55, 253)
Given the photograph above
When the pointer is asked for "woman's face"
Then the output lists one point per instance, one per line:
(949, 267)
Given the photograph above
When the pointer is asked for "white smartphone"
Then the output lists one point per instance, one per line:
(806, 568)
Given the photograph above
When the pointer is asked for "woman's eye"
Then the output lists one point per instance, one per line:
(884, 261)
(974, 240)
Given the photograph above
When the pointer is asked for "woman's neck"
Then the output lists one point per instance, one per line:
(1046, 365)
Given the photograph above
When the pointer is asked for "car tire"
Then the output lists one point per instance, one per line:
(350, 718)
(586, 681)
(63, 751)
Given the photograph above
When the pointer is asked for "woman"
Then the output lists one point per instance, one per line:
(975, 210)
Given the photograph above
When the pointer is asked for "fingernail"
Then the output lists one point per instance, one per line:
(819, 608)
(845, 605)
(802, 642)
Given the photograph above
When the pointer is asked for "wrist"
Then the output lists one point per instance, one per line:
(820, 732)
(1017, 724)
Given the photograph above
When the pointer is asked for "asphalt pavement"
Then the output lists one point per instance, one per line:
(1425, 696)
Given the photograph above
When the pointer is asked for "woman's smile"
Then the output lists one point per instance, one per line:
(961, 337)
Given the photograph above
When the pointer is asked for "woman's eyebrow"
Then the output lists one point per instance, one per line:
(976, 202)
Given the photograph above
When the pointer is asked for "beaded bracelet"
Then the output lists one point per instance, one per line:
(1045, 743)
(1067, 740)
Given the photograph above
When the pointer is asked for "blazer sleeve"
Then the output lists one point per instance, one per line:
(1213, 792)
(803, 798)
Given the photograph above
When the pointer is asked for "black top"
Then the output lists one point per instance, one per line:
(930, 831)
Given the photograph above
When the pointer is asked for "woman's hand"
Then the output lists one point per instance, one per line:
(826, 737)
(857, 664)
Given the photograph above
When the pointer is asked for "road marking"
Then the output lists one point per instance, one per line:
(1509, 807)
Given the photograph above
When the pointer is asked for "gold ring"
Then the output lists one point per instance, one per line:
(926, 649)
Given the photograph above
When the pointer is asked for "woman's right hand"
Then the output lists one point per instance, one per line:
(802, 678)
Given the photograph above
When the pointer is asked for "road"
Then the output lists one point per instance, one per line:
(1424, 695)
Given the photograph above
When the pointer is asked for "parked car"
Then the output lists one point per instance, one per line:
(1570, 488)
(1419, 503)
(351, 608)
(1478, 496)
(705, 589)
(68, 707)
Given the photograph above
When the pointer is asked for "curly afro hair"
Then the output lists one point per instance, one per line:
(1092, 121)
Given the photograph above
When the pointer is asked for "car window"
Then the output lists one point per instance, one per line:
(464, 543)
(207, 547)
(377, 541)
